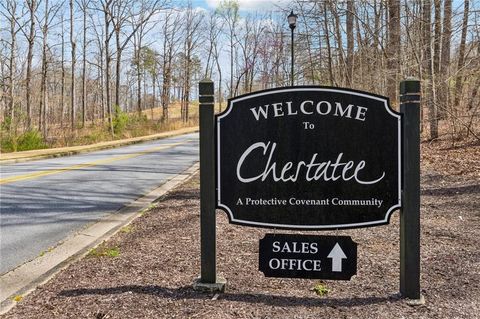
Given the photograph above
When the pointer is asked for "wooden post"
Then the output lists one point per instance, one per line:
(410, 212)
(208, 280)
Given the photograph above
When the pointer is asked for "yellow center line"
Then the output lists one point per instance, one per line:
(84, 165)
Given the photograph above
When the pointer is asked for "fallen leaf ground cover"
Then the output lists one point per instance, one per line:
(156, 260)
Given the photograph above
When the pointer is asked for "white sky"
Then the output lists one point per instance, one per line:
(252, 5)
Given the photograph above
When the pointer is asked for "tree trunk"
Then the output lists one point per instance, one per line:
(32, 7)
(327, 39)
(145, 98)
(436, 53)
(139, 75)
(101, 86)
(231, 62)
(168, 43)
(42, 125)
(84, 66)
(62, 97)
(118, 72)
(220, 97)
(393, 50)
(437, 38)
(74, 60)
(107, 69)
(154, 95)
(338, 38)
(461, 60)
(428, 67)
(12, 67)
(443, 94)
(376, 25)
(349, 61)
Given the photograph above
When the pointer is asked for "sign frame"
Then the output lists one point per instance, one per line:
(399, 146)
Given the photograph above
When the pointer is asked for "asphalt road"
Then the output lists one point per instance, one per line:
(43, 202)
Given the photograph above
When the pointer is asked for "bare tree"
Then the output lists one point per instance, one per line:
(350, 43)
(170, 29)
(49, 14)
(192, 22)
(100, 46)
(106, 7)
(228, 10)
(213, 31)
(32, 9)
(250, 46)
(138, 41)
(11, 14)
(84, 4)
(123, 12)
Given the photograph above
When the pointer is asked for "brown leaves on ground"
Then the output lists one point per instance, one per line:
(449, 159)
(159, 260)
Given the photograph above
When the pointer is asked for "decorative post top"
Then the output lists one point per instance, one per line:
(410, 85)
(205, 87)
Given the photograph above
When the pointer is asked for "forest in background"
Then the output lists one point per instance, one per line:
(95, 68)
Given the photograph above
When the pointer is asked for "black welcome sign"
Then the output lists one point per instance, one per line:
(308, 158)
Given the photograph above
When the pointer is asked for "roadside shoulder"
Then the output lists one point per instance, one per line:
(17, 157)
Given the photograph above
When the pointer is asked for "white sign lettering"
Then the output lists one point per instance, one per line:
(308, 107)
(310, 171)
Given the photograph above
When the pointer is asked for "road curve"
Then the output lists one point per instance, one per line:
(43, 202)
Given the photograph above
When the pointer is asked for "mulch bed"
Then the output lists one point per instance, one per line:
(159, 259)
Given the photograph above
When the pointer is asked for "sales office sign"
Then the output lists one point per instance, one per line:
(308, 158)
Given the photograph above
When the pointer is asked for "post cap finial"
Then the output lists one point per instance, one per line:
(205, 87)
(410, 85)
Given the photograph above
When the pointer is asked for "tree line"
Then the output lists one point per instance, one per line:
(388, 41)
(64, 64)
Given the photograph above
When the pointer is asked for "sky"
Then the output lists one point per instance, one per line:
(244, 5)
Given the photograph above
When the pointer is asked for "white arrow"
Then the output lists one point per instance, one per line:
(337, 255)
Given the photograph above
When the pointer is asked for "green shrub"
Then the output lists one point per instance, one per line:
(6, 124)
(138, 118)
(321, 289)
(120, 120)
(7, 144)
(30, 140)
(102, 251)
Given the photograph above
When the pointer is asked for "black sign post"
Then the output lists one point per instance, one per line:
(307, 256)
(208, 280)
(410, 212)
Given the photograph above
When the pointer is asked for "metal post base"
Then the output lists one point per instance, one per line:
(218, 286)
(416, 302)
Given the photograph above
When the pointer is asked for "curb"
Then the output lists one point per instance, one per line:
(19, 157)
(24, 279)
